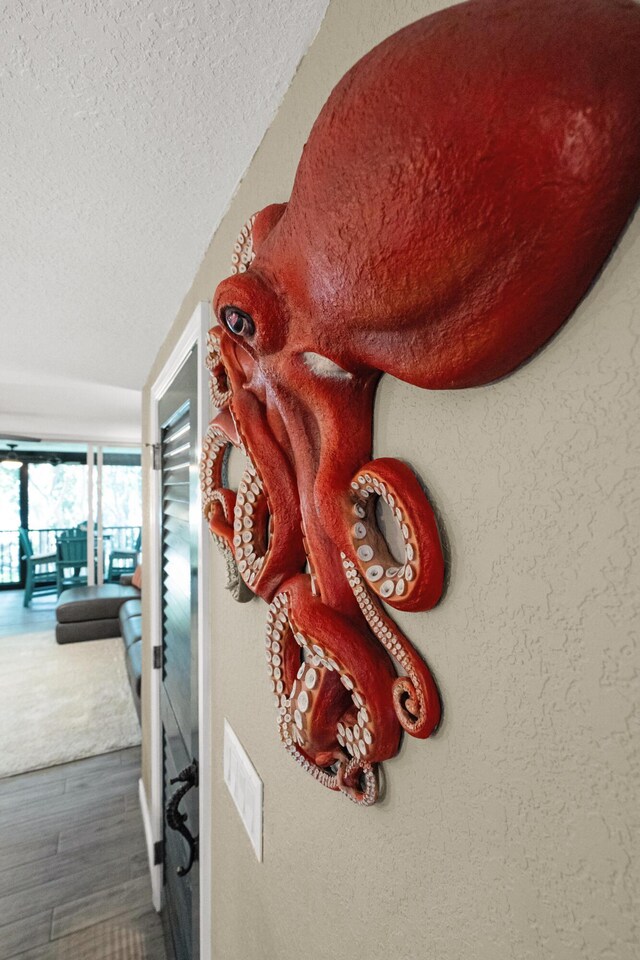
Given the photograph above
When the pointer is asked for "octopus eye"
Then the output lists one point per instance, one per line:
(237, 321)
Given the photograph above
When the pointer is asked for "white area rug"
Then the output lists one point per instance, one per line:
(62, 702)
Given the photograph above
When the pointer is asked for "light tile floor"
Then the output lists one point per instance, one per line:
(14, 618)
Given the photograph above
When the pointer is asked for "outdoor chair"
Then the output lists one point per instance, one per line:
(41, 569)
(123, 561)
(71, 563)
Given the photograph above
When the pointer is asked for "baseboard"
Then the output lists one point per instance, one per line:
(155, 869)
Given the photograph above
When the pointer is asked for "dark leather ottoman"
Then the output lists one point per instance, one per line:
(91, 613)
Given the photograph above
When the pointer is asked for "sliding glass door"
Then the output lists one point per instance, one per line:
(10, 573)
(118, 511)
(57, 499)
(53, 492)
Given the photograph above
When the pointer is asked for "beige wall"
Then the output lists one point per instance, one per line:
(510, 833)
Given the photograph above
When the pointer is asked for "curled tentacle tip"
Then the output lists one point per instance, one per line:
(358, 781)
(417, 714)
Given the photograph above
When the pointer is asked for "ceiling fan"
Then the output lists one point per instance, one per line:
(8, 457)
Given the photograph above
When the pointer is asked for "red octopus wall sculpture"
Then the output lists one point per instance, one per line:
(458, 194)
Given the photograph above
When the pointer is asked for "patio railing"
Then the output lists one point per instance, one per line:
(44, 541)
(9, 557)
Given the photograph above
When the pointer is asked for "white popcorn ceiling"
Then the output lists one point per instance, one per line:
(125, 129)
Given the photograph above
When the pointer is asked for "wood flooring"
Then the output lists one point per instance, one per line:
(74, 877)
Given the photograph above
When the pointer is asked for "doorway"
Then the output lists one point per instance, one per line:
(179, 686)
(177, 412)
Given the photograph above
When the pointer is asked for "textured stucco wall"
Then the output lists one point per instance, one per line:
(510, 834)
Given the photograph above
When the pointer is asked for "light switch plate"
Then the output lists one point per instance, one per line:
(244, 785)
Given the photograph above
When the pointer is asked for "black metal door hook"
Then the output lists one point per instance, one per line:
(176, 820)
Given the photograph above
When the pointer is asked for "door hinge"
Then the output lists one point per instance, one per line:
(156, 455)
(157, 657)
(158, 853)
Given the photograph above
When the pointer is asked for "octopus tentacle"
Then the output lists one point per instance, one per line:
(359, 782)
(280, 650)
(241, 521)
(410, 580)
(216, 445)
(218, 504)
(243, 252)
(414, 579)
(415, 697)
(254, 531)
(334, 718)
(251, 525)
(219, 386)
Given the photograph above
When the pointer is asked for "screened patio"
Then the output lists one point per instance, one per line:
(55, 492)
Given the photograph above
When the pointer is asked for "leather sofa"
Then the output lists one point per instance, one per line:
(91, 613)
(130, 617)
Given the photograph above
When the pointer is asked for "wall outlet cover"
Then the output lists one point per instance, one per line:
(245, 786)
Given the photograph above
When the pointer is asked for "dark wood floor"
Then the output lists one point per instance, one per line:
(74, 878)
(14, 618)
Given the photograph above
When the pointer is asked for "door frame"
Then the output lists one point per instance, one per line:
(194, 334)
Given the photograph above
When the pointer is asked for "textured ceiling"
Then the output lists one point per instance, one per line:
(125, 128)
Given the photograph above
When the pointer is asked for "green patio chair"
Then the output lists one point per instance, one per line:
(41, 569)
(71, 563)
(123, 561)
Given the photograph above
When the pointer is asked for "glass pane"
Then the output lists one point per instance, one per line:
(9, 524)
(121, 510)
(57, 501)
